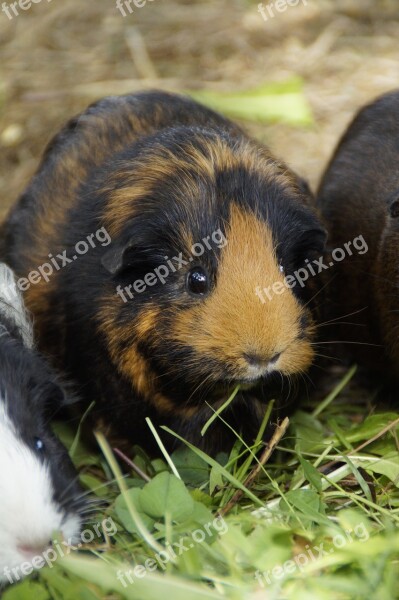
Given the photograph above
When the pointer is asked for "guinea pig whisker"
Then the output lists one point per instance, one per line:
(191, 363)
(90, 511)
(88, 515)
(306, 378)
(93, 501)
(337, 319)
(282, 382)
(68, 487)
(345, 342)
(342, 323)
(66, 498)
(318, 292)
(318, 354)
(289, 385)
(199, 387)
(93, 509)
(89, 502)
(105, 484)
(366, 274)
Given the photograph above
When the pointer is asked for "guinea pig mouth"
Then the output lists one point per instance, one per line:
(247, 384)
(256, 385)
(253, 384)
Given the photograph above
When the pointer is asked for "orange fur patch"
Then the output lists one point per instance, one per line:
(129, 361)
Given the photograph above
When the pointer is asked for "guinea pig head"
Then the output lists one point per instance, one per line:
(199, 228)
(39, 492)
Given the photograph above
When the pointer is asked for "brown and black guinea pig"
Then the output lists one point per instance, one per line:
(359, 195)
(160, 174)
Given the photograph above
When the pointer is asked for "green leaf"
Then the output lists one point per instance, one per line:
(354, 520)
(152, 587)
(309, 503)
(166, 494)
(311, 473)
(282, 101)
(63, 588)
(26, 591)
(215, 478)
(124, 514)
(201, 514)
(371, 426)
(387, 465)
(202, 497)
(192, 469)
(308, 432)
(219, 468)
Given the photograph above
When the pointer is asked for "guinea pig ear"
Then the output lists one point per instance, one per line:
(56, 396)
(314, 240)
(116, 257)
(305, 187)
(12, 305)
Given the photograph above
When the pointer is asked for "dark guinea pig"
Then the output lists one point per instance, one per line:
(359, 195)
(162, 315)
(39, 492)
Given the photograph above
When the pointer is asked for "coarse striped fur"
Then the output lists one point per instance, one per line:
(161, 172)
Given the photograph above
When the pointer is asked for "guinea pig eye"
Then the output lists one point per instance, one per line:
(198, 281)
(39, 444)
(281, 268)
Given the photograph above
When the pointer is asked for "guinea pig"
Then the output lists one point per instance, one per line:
(359, 195)
(39, 493)
(161, 222)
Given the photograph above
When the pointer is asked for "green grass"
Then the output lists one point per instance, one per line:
(318, 522)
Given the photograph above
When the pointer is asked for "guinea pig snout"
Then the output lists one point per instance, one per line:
(258, 365)
(31, 549)
(257, 360)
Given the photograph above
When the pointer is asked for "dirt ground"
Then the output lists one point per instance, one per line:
(60, 55)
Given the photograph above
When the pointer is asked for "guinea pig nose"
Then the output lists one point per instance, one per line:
(275, 358)
(255, 360)
(34, 549)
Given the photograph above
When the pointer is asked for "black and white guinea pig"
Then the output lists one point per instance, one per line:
(165, 316)
(39, 493)
(359, 195)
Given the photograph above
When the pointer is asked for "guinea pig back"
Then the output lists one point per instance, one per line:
(188, 220)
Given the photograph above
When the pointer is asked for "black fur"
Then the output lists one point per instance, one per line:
(33, 396)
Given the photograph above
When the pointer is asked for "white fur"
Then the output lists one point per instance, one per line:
(12, 304)
(28, 515)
